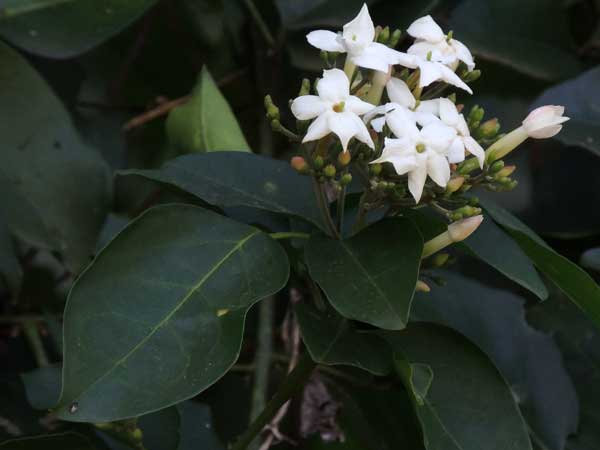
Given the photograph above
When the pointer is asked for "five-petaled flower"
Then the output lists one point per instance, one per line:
(334, 110)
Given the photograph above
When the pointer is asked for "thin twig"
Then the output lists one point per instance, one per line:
(324, 208)
(32, 334)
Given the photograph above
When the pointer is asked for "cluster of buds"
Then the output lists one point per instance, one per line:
(390, 118)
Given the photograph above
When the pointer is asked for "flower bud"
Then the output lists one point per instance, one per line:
(506, 171)
(346, 179)
(375, 169)
(137, 435)
(304, 88)
(457, 231)
(454, 184)
(440, 259)
(475, 116)
(384, 36)
(489, 128)
(299, 164)
(472, 76)
(329, 170)
(497, 166)
(421, 286)
(395, 38)
(545, 121)
(344, 158)
(319, 162)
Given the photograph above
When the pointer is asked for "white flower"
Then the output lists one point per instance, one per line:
(432, 44)
(545, 121)
(357, 40)
(446, 111)
(419, 153)
(435, 71)
(335, 110)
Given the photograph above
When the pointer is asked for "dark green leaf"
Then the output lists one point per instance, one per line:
(580, 97)
(571, 279)
(205, 123)
(467, 402)
(55, 189)
(62, 441)
(494, 247)
(239, 179)
(158, 317)
(494, 319)
(161, 429)
(331, 339)
(64, 29)
(42, 387)
(370, 277)
(532, 37)
(196, 428)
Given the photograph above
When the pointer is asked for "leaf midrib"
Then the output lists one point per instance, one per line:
(183, 301)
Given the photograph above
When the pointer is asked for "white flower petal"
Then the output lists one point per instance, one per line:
(456, 151)
(325, 40)
(402, 123)
(357, 106)
(544, 122)
(403, 163)
(430, 72)
(463, 53)
(307, 107)
(319, 128)
(377, 124)
(426, 28)
(451, 78)
(382, 109)
(423, 49)
(334, 86)
(475, 149)
(362, 134)
(425, 118)
(417, 177)
(438, 136)
(438, 169)
(430, 106)
(462, 127)
(360, 31)
(398, 92)
(375, 56)
(344, 126)
(448, 112)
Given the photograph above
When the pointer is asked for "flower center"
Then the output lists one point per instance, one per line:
(449, 36)
(420, 148)
(339, 107)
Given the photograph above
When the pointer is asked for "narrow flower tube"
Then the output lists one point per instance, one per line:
(456, 232)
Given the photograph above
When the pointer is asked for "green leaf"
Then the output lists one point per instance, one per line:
(60, 441)
(196, 428)
(467, 402)
(580, 98)
(205, 123)
(239, 179)
(570, 278)
(494, 319)
(55, 189)
(332, 340)
(42, 386)
(64, 29)
(491, 245)
(159, 316)
(370, 277)
(516, 33)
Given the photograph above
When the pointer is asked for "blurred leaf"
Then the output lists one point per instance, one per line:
(55, 189)
(61, 441)
(457, 413)
(42, 386)
(571, 279)
(494, 320)
(112, 226)
(161, 429)
(239, 179)
(371, 276)
(579, 341)
(332, 340)
(11, 272)
(167, 299)
(205, 123)
(400, 14)
(580, 97)
(299, 14)
(493, 246)
(196, 428)
(591, 259)
(532, 37)
(64, 29)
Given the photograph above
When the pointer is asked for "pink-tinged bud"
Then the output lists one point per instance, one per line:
(545, 121)
(506, 171)
(459, 231)
(422, 287)
(454, 184)
(344, 158)
(299, 163)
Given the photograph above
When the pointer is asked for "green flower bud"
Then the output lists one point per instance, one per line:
(454, 184)
(476, 114)
(395, 38)
(384, 36)
(474, 201)
(329, 170)
(471, 76)
(497, 166)
(304, 88)
(319, 162)
(507, 171)
(440, 259)
(346, 179)
(137, 435)
(375, 169)
(489, 128)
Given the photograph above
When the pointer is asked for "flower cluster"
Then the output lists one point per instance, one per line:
(418, 141)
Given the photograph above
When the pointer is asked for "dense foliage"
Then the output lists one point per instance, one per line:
(214, 234)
